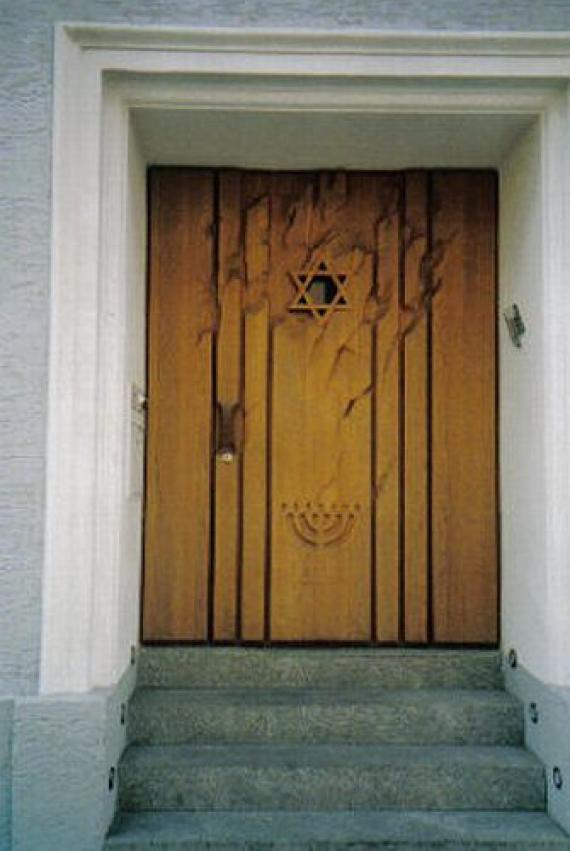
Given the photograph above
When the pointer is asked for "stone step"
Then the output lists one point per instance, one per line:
(441, 716)
(363, 667)
(329, 777)
(310, 831)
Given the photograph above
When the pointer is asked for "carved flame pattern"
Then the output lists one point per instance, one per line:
(319, 524)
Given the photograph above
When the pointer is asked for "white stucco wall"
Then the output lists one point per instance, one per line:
(533, 414)
(116, 601)
(525, 616)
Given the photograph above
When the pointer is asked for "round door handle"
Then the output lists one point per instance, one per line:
(226, 454)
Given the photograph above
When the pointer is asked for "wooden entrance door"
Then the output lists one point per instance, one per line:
(321, 456)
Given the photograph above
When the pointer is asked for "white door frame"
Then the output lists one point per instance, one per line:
(92, 563)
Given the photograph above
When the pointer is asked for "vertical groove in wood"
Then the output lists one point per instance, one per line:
(463, 408)
(376, 293)
(387, 395)
(265, 623)
(255, 237)
(228, 383)
(268, 484)
(433, 283)
(182, 320)
(401, 409)
(240, 588)
(213, 409)
(415, 474)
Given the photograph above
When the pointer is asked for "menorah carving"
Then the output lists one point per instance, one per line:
(319, 524)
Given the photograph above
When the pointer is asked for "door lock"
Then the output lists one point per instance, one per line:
(225, 428)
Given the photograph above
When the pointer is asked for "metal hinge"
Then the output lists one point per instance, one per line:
(515, 324)
(139, 400)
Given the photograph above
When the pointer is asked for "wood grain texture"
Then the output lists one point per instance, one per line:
(321, 411)
(227, 549)
(182, 319)
(416, 406)
(464, 516)
(385, 315)
(325, 527)
(255, 236)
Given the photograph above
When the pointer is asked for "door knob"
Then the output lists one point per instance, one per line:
(226, 455)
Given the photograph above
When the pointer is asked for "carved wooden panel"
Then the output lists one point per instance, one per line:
(463, 444)
(321, 457)
(320, 291)
(181, 331)
(321, 525)
(416, 312)
(321, 406)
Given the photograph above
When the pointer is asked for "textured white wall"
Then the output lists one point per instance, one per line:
(127, 627)
(535, 567)
(522, 410)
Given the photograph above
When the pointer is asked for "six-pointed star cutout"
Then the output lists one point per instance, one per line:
(320, 292)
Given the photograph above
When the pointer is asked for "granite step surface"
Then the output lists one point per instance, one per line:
(352, 748)
(329, 777)
(359, 667)
(297, 715)
(310, 831)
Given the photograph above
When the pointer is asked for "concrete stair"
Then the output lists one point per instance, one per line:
(217, 667)
(294, 716)
(329, 777)
(318, 749)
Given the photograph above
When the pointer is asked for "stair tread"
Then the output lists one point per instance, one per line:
(255, 666)
(327, 755)
(321, 695)
(288, 715)
(375, 653)
(462, 829)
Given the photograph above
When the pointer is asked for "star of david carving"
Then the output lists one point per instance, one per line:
(321, 292)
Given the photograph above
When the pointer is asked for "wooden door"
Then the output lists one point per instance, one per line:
(321, 453)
